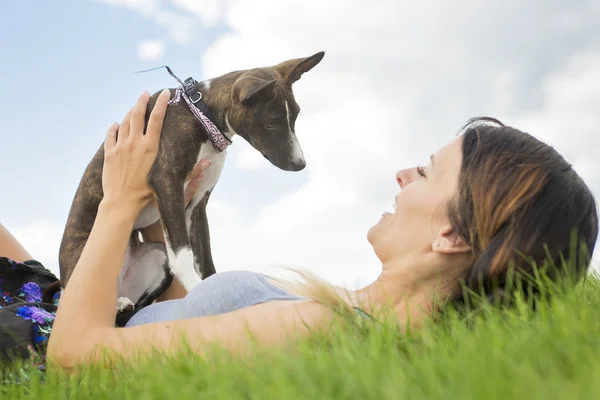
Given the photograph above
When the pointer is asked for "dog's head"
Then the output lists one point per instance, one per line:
(264, 110)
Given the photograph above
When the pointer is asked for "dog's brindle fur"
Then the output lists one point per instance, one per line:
(256, 104)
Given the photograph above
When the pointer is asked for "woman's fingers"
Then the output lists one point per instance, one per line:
(195, 180)
(126, 167)
(204, 164)
(157, 116)
(133, 123)
(138, 116)
(124, 128)
(111, 137)
(198, 169)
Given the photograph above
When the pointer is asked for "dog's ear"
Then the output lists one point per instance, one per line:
(292, 70)
(250, 90)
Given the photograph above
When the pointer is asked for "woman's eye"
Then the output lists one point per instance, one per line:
(421, 171)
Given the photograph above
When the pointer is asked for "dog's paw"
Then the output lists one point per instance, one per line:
(124, 304)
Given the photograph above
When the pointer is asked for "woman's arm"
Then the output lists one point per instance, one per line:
(272, 325)
(89, 301)
(85, 317)
(85, 320)
(10, 247)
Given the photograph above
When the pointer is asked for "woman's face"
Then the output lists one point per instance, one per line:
(419, 224)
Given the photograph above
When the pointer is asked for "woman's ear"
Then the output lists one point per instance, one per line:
(449, 242)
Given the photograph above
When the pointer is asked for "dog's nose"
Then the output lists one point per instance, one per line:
(299, 164)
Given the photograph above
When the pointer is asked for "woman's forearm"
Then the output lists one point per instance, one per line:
(89, 300)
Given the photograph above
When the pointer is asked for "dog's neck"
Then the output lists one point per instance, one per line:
(216, 94)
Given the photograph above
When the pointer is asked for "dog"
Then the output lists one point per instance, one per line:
(256, 104)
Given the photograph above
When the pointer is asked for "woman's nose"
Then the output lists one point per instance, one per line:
(403, 177)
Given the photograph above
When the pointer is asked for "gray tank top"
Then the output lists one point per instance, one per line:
(219, 293)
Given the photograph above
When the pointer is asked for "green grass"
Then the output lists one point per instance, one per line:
(517, 354)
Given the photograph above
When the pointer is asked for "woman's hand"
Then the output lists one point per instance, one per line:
(195, 179)
(154, 232)
(129, 154)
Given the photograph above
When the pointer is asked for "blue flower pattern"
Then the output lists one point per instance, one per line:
(43, 322)
(31, 292)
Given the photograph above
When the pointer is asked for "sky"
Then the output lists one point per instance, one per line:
(398, 80)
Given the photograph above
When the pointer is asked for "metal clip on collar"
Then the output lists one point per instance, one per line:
(191, 90)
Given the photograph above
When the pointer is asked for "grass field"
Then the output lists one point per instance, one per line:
(551, 354)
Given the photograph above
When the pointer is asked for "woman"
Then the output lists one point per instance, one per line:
(486, 197)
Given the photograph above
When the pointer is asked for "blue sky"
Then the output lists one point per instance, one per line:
(397, 81)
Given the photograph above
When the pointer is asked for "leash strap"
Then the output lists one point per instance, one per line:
(192, 96)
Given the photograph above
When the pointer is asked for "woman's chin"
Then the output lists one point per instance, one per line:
(374, 230)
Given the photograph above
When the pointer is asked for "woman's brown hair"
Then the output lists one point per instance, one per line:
(519, 204)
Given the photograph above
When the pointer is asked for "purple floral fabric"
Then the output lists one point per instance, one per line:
(31, 292)
(21, 290)
(42, 322)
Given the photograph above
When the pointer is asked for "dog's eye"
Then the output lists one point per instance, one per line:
(272, 124)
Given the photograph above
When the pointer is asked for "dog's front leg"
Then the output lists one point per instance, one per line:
(169, 193)
(200, 239)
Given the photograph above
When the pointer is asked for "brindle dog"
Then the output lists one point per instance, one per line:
(258, 105)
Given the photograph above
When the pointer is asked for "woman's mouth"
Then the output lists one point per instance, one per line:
(387, 213)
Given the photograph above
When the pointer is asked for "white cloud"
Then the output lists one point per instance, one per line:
(249, 158)
(180, 25)
(151, 49)
(143, 6)
(210, 12)
(397, 81)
